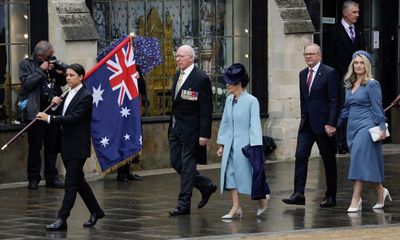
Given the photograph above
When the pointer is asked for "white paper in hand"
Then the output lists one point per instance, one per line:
(376, 133)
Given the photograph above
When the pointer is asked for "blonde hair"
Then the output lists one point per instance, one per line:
(351, 77)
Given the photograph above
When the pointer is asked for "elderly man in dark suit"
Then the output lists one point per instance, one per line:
(189, 128)
(343, 40)
(319, 91)
(74, 120)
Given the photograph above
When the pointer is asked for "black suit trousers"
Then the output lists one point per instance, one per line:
(75, 183)
(327, 148)
(41, 133)
(183, 160)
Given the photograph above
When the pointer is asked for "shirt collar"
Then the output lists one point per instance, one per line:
(76, 89)
(346, 25)
(188, 70)
(315, 68)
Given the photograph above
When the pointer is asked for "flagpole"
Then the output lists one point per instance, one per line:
(32, 122)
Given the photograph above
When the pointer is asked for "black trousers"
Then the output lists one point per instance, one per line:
(42, 134)
(75, 183)
(183, 160)
(124, 170)
(327, 148)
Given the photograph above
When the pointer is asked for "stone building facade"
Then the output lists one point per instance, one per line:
(73, 34)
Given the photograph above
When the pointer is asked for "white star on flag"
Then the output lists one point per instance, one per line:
(104, 141)
(97, 95)
(127, 136)
(125, 112)
(140, 140)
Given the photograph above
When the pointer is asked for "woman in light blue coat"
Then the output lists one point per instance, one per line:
(240, 126)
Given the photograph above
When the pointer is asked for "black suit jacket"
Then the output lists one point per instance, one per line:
(193, 116)
(75, 126)
(321, 105)
(339, 48)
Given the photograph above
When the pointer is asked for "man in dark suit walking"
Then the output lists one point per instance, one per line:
(319, 91)
(342, 41)
(189, 128)
(75, 119)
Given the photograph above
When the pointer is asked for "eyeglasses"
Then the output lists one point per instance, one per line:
(181, 56)
(309, 54)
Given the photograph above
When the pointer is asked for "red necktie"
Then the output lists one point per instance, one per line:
(309, 80)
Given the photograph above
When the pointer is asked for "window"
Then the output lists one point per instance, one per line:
(14, 46)
(219, 31)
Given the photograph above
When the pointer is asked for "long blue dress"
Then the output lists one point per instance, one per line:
(363, 109)
(240, 126)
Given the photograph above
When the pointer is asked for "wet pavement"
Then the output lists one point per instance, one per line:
(139, 209)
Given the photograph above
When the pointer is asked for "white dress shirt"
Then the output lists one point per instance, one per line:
(314, 73)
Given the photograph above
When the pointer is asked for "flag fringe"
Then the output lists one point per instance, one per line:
(118, 165)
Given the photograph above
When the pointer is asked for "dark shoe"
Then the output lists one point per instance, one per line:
(93, 219)
(179, 211)
(295, 198)
(33, 184)
(56, 183)
(206, 196)
(122, 178)
(58, 225)
(328, 202)
(134, 177)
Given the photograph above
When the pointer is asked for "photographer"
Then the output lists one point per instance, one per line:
(41, 77)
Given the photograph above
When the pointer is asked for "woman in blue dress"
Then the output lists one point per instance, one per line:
(240, 126)
(363, 110)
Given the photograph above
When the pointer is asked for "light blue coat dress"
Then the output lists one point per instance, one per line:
(363, 110)
(240, 126)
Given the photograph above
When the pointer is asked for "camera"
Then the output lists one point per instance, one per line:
(57, 63)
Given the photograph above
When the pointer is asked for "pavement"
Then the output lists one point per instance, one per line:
(139, 209)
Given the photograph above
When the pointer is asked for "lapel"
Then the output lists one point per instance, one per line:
(303, 81)
(317, 78)
(345, 38)
(74, 101)
(188, 82)
(174, 85)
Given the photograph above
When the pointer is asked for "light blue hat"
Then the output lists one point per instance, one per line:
(362, 52)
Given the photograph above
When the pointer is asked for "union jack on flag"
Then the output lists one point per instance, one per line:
(125, 74)
(116, 119)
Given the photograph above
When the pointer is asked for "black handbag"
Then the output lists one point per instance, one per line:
(269, 145)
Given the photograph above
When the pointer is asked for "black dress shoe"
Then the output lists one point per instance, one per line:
(179, 211)
(93, 219)
(295, 198)
(134, 177)
(58, 225)
(206, 196)
(33, 184)
(56, 183)
(328, 202)
(122, 178)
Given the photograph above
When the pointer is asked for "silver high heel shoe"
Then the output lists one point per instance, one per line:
(386, 194)
(261, 211)
(237, 214)
(357, 209)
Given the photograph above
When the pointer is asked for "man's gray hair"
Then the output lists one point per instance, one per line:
(348, 4)
(191, 50)
(42, 47)
(313, 45)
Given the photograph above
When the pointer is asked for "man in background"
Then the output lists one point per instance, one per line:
(342, 41)
(40, 82)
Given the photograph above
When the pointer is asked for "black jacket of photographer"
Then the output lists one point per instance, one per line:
(38, 85)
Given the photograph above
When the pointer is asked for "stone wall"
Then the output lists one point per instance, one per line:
(286, 41)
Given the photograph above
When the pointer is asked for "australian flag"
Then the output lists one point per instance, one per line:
(116, 118)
